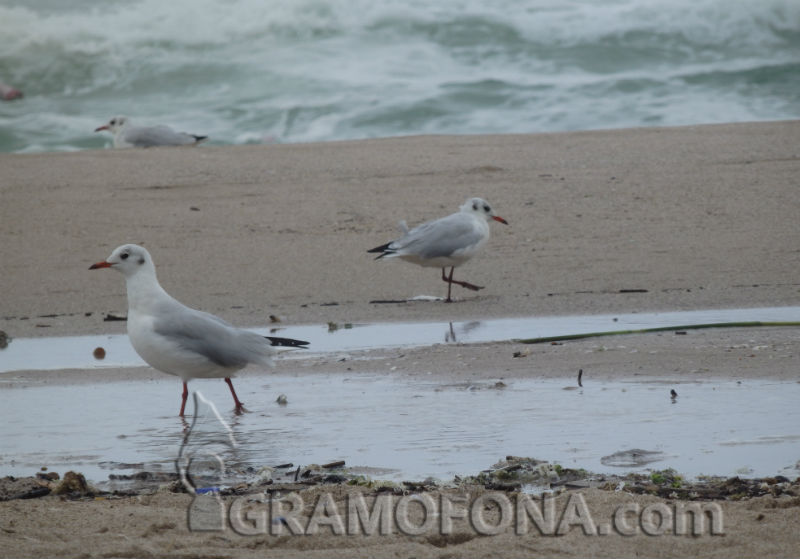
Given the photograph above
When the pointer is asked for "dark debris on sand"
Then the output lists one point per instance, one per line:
(514, 474)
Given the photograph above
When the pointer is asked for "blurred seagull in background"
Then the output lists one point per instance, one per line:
(127, 136)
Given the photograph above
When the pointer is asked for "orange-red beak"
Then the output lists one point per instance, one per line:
(98, 265)
(500, 219)
(99, 128)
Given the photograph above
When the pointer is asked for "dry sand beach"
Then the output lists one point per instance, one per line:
(621, 221)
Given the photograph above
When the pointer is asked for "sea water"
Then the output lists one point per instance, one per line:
(399, 427)
(255, 71)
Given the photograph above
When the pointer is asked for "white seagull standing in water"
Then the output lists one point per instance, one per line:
(447, 241)
(127, 136)
(181, 341)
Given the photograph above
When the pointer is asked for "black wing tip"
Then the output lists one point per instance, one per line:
(381, 248)
(286, 342)
(199, 139)
(384, 249)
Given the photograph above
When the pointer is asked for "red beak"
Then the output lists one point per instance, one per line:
(98, 265)
(99, 128)
(500, 219)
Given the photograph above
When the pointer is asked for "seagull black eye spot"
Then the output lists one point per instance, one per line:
(486, 208)
(141, 260)
(124, 256)
(475, 206)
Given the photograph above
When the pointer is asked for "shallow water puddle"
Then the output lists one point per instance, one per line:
(407, 429)
(76, 352)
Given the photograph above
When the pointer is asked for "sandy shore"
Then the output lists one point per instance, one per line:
(700, 217)
(600, 222)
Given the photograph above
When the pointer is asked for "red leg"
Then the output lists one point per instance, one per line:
(468, 285)
(450, 281)
(183, 401)
(239, 405)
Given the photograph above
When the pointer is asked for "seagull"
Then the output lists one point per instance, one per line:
(181, 341)
(127, 136)
(447, 241)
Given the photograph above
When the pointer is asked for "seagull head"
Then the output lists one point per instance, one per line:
(114, 125)
(127, 259)
(481, 207)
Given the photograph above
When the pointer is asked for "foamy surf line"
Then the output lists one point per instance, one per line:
(474, 68)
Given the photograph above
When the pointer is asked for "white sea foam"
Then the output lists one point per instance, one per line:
(314, 70)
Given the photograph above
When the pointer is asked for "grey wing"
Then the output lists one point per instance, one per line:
(439, 238)
(151, 136)
(213, 338)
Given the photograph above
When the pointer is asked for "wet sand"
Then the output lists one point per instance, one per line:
(699, 217)
(600, 222)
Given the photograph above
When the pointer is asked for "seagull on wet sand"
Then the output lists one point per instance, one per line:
(181, 341)
(128, 136)
(448, 241)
